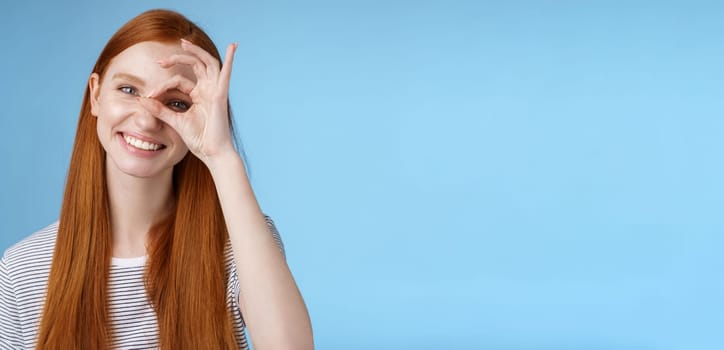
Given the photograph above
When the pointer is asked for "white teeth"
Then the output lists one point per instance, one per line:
(144, 145)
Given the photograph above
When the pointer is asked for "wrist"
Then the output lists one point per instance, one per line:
(223, 160)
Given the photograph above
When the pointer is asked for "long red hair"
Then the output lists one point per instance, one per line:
(185, 274)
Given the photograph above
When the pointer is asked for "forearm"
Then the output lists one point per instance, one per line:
(270, 301)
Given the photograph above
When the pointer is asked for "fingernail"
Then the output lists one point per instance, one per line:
(185, 42)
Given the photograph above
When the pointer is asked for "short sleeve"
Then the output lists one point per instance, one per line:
(275, 234)
(10, 332)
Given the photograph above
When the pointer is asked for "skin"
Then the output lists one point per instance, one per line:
(175, 95)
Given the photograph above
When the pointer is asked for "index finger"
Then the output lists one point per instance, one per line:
(178, 82)
(158, 110)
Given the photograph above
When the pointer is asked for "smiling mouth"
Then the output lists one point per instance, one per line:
(142, 145)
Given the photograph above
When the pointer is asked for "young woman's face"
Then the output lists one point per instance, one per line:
(136, 142)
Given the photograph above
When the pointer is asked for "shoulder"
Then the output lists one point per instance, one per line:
(24, 272)
(36, 248)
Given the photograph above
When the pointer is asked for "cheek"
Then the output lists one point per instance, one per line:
(177, 140)
(173, 135)
(112, 111)
(103, 132)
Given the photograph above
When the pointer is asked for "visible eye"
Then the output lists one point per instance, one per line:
(179, 105)
(128, 90)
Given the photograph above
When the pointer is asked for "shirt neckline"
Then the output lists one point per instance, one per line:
(129, 262)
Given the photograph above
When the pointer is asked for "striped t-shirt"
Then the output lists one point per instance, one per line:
(24, 271)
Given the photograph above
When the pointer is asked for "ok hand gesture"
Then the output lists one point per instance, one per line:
(205, 126)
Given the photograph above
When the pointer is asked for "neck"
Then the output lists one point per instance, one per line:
(136, 204)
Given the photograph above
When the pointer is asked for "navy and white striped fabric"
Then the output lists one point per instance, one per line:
(24, 271)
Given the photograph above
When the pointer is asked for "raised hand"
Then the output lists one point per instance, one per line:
(204, 126)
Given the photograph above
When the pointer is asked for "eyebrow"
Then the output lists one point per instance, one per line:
(132, 78)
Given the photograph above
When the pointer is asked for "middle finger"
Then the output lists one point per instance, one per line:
(196, 64)
(212, 64)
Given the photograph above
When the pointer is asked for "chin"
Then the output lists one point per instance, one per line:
(143, 174)
(143, 171)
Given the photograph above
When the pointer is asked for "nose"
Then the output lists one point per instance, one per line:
(145, 120)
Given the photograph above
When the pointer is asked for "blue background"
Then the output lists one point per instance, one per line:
(445, 174)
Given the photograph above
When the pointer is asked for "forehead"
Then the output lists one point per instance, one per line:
(142, 59)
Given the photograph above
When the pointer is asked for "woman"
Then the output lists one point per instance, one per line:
(160, 241)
